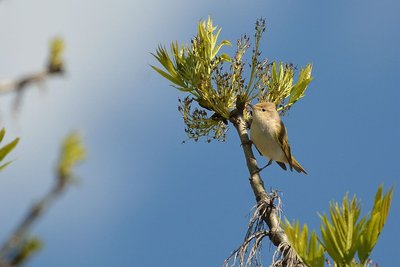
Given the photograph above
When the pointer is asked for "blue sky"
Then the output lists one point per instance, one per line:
(145, 199)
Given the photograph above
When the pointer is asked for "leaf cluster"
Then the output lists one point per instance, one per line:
(308, 248)
(219, 83)
(280, 88)
(343, 234)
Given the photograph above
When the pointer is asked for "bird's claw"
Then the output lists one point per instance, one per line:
(260, 169)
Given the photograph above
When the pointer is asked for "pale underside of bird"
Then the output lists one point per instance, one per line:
(268, 134)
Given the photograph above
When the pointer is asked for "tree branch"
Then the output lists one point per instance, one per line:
(14, 251)
(265, 202)
(19, 85)
(22, 231)
(54, 66)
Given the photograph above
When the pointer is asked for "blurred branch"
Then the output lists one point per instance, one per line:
(18, 246)
(55, 66)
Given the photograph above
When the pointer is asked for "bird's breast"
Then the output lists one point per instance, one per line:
(263, 137)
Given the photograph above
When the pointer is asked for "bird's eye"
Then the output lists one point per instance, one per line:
(263, 109)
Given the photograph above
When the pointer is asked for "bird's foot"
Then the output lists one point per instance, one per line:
(260, 169)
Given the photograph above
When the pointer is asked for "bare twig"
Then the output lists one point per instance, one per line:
(54, 66)
(12, 252)
(20, 85)
(22, 231)
(266, 214)
(255, 233)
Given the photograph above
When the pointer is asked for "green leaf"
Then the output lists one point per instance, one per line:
(309, 249)
(226, 58)
(72, 153)
(2, 133)
(216, 50)
(340, 235)
(300, 87)
(181, 86)
(280, 83)
(5, 150)
(2, 166)
(163, 57)
(57, 47)
(374, 224)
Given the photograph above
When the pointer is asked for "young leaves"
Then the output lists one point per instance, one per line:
(308, 248)
(297, 91)
(340, 235)
(72, 152)
(189, 68)
(217, 81)
(374, 224)
(280, 87)
(195, 69)
(344, 234)
(5, 150)
(55, 61)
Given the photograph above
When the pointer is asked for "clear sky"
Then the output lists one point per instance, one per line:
(145, 199)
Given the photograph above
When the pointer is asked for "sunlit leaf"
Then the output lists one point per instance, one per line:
(298, 90)
(374, 224)
(5, 150)
(2, 133)
(308, 248)
(340, 235)
(72, 153)
(57, 47)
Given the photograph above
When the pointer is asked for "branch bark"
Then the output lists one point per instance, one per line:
(269, 212)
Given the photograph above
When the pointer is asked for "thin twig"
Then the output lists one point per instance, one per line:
(20, 85)
(33, 214)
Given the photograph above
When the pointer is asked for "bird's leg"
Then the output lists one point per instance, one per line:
(260, 169)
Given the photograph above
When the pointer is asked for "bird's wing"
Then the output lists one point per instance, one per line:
(258, 150)
(282, 140)
(282, 165)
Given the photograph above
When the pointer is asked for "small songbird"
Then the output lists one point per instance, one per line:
(268, 134)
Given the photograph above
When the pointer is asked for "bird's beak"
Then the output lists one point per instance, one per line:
(251, 108)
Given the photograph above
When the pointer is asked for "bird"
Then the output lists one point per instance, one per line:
(269, 136)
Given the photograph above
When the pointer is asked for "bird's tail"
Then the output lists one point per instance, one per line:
(296, 165)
